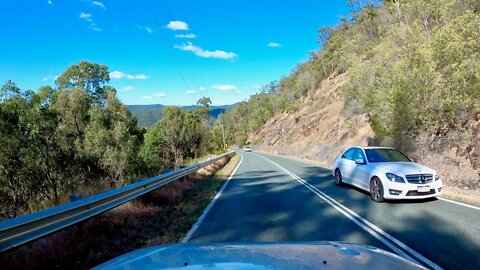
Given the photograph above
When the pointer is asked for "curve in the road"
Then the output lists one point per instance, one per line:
(394, 244)
(262, 203)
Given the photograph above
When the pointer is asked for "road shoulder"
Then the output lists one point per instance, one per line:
(471, 197)
(224, 175)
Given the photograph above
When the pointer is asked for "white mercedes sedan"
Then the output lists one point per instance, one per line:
(386, 173)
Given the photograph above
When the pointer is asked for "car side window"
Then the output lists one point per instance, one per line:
(348, 154)
(358, 154)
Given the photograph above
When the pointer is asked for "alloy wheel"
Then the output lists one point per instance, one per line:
(376, 190)
(338, 177)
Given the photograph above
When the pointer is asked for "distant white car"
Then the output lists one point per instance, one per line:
(248, 149)
(386, 173)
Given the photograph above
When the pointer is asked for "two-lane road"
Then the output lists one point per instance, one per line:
(275, 199)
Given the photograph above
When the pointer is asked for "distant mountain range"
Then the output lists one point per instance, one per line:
(148, 115)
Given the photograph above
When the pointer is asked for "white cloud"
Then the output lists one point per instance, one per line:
(177, 25)
(274, 44)
(49, 77)
(85, 16)
(127, 88)
(149, 30)
(120, 75)
(98, 4)
(224, 87)
(145, 28)
(185, 35)
(88, 17)
(191, 91)
(204, 53)
(202, 88)
(50, 2)
(157, 95)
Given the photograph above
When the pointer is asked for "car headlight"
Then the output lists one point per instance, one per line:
(437, 177)
(395, 178)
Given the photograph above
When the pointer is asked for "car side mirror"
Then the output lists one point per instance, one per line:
(359, 161)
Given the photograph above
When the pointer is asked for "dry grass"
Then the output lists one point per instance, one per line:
(462, 195)
(162, 216)
(325, 126)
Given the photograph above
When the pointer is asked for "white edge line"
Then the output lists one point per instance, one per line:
(342, 211)
(459, 203)
(316, 164)
(385, 234)
(351, 214)
(373, 226)
(363, 226)
(197, 224)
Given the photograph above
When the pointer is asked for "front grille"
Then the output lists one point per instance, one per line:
(416, 193)
(419, 178)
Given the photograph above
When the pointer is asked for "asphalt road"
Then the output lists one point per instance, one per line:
(275, 199)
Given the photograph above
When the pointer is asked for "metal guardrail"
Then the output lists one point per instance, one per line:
(23, 229)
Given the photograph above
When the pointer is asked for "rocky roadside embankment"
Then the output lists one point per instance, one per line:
(324, 127)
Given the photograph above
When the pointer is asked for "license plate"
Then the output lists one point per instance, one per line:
(423, 189)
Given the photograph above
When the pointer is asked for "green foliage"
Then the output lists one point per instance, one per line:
(87, 76)
(148, 115)
(204, 101)
(244, 118)
(62, 140)
(113, 140)
(413, 65)
(57, 140)
(178, 136)
(423, 72)
(276, 97)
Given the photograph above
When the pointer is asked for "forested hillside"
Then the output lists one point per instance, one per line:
(78, 138)
(412, 67)
(148, 115)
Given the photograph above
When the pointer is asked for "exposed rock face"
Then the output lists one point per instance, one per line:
(319, 130)
(475, 152)
(452, 161)
(324, 127)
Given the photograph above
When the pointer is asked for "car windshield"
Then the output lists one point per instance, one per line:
(385, 155)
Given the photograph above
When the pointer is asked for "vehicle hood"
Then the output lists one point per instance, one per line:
(261, 256)
(401, 168)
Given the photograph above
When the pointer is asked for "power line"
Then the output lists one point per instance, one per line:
(165, 43)
(172, 17)
(182, 7)
(195, 63)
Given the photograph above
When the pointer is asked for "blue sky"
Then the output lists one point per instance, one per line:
(163, 51)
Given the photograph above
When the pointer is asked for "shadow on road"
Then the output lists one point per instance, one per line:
(269, 205)
(445, 233)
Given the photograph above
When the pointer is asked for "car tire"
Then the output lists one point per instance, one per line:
(376, 190)
(338, 177)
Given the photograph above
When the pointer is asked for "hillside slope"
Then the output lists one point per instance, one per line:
(318, 130)
(403, 73)
(325, 126)
(148, 115)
